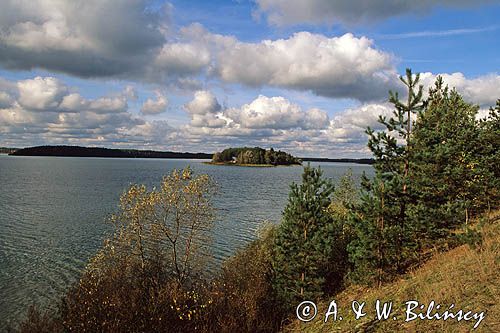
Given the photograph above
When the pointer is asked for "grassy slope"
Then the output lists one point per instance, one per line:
(464, 276)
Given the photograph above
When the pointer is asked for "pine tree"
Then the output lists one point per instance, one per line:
(305, 239)
(452, 175)
(490, 157)
(373, 250)
(386, 238)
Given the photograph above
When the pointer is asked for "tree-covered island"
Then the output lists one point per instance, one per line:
(254, 157)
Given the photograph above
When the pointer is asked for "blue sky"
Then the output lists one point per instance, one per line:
(304, 76)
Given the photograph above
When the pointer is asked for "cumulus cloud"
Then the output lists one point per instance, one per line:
(204, 110)
(483, 90)
(286, 12)
(157, 106)
(204, 102)
(45, 110)
(95, 38)
(84, 38)
(41, 93)
(276, 113)
(345, 66)
(182, 58)
(135, 43)
(350, 125)
(5, 100)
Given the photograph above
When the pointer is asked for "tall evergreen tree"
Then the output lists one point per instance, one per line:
(305, 239)
(382, 223)
(490, 157)
(452, 165)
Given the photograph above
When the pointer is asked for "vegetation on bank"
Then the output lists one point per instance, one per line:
(466, 276)
(254, 156)
(436, 173)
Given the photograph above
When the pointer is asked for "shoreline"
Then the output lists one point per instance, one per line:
(250, 165)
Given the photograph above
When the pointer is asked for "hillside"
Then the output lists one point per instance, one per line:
(466, 277)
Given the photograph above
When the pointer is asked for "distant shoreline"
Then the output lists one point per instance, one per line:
(368, 161)
(78, 151)
(249, 165)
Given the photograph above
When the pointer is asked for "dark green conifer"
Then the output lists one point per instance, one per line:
(386, 241)
(305, 240)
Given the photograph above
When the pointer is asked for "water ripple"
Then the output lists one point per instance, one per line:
(53, 212)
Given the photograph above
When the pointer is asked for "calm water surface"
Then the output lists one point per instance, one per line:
(53, 214)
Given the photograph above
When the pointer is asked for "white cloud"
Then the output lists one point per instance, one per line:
(483, 90)
(73, 102)
(96, 38)
(276, 113)
(350, 125)
(285, 12)
(130, 93)
(43, 110)
(204, 110)
(41, 93)
(183, 58)
(157, 106)
(139, 44)
(204, 102)
(345, 66)
(5, 100)
(109, 104)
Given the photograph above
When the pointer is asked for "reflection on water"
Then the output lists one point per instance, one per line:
(53, 212)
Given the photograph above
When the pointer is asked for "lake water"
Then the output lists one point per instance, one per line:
(53, 214)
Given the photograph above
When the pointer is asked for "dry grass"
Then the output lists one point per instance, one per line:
(466, 277)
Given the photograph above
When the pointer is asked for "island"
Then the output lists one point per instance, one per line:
(245, 156)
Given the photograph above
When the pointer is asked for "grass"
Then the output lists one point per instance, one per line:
(467, 277)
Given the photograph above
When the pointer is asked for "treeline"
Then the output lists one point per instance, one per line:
(339, 160)
(4, 150)
(255, 156)
(76, 151)
(436, 167)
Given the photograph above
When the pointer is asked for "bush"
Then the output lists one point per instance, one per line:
(244, 300)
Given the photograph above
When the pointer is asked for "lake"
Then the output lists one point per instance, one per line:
(53, 213)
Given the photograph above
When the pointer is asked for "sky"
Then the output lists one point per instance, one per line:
(306, 77)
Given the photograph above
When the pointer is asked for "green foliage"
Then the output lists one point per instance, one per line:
(255, 155)
(438, 172)
(382, 245)
(305, 242)
(455, 163)
(446, 173)
(489, 154)
(385, 242)
(345, 198)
